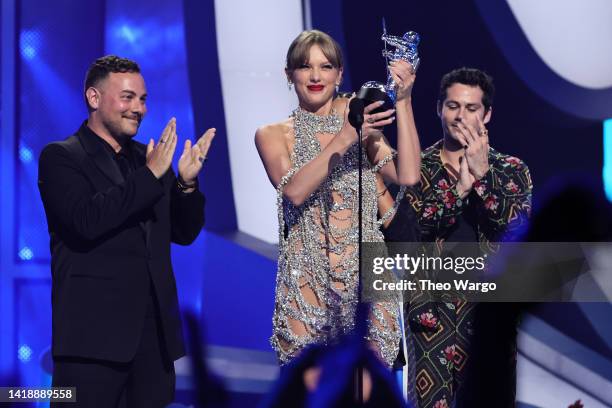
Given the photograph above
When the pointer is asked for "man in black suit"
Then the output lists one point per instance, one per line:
(113, 206)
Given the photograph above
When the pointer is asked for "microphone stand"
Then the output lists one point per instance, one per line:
(359, 248)
(356, 107)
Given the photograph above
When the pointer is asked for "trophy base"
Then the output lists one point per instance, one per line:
(373, 91)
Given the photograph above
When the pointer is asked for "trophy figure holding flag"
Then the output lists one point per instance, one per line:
(405, 48)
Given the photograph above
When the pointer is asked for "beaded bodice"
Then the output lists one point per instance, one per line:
(317, 277)
(339, 192)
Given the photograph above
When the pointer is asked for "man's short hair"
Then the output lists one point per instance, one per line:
(471, 77)
(102, 67)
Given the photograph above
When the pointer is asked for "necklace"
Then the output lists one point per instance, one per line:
(313, 123)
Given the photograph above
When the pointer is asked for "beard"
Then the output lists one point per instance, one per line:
(122, 129)
(450, 139)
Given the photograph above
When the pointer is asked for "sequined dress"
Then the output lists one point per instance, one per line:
(317, 276)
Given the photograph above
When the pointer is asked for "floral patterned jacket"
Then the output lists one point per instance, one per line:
(503, 197)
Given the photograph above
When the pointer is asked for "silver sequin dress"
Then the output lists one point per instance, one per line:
(317, 276)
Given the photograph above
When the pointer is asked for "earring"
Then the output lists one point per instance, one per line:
(290, 85)
(337, 88)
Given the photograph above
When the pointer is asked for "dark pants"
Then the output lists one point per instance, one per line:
(146, 381)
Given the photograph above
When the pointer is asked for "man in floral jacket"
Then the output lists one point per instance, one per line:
(469, 192)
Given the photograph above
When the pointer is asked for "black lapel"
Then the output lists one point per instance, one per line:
(100, 156)
(140, 152)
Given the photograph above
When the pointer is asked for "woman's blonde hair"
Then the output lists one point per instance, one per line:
(299, 49)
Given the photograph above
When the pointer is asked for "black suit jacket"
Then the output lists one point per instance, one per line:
(110, 239)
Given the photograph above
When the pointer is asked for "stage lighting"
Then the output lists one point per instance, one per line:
(29, 42)
(25, 155)
(25, 254)
(127, 33)
(24, 353)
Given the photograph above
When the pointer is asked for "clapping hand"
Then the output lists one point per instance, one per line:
(465, 180)
(159, 156)
(477, 151)
(475, 162)
(194, 156)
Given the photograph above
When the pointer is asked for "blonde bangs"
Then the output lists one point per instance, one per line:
(299, 50)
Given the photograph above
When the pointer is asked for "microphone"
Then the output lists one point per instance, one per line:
(355, 116)
(373, 91)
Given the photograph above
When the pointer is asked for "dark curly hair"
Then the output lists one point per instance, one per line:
(103, 66)
(472, 77)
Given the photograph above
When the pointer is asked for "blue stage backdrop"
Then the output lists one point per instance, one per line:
(54, 44)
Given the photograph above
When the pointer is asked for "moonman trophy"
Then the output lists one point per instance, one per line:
(405, 48)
